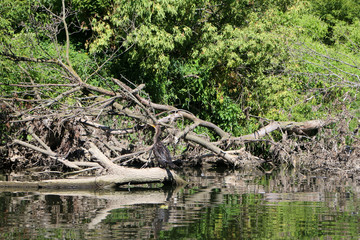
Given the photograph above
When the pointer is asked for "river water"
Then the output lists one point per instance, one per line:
(214, 205)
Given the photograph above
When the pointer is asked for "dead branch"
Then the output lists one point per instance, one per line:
(183, 114)
(47, 152)
(230, 158)
(130, 155)
(134, 175)
(31, 131)
(297, 127)
(116, 118)
(40, 85)
(129, 93)
(103, 160)
(106, 128)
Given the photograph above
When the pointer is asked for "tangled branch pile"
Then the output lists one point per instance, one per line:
(68, 131)
(55, 120)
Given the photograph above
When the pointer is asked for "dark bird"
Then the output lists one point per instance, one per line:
(162, 153)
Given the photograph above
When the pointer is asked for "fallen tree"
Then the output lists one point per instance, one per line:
(73, 126)
(79, 133)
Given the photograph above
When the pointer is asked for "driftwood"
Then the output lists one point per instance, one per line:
(116, 174)
(129, 176)
(87, 128)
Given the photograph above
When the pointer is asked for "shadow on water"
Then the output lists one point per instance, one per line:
(214, 205)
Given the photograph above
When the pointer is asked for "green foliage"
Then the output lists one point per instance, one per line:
(89, 7)
(12, 14)
(223, 60)
(206, 57)
(347, 37)
(312, 26)
(332, 11)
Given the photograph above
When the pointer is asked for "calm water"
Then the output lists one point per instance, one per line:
(215, 205)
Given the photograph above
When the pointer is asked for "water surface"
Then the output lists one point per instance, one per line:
(215, 205)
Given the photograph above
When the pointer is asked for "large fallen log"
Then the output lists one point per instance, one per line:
(116, 175)
(297, 127)
(129, 176)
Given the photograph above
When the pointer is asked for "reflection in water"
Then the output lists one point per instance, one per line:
(230, 205)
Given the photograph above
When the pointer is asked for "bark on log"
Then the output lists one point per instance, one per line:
(117, 175)
(298, 127)
(124, 176)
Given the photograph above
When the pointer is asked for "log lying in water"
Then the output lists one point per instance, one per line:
(124, 176)
(117, 175)
(130, 176)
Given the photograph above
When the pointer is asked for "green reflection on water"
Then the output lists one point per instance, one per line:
(245, 216)
(249, 216)
(219, 207)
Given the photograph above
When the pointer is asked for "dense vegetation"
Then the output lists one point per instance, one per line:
(238, 64)
(224, 60)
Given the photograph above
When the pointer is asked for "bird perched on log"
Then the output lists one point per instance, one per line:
(162, 153)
